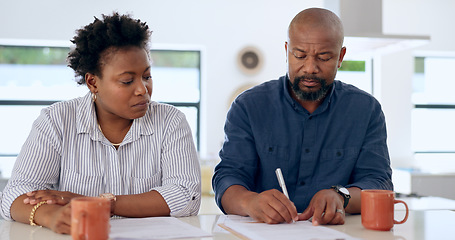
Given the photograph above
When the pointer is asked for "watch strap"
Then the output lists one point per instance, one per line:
(345, 196)
(111, 197)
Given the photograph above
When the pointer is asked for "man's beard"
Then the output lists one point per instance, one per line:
(310, 95)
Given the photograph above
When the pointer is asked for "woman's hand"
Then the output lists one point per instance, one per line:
(59, 220)
(50, 196)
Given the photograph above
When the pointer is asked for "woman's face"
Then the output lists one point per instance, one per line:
(125, 87)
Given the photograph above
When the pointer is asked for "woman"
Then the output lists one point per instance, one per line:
(114, 142)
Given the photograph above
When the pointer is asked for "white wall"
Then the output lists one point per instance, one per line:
(222, 28)
(394, 91)
(423, 17)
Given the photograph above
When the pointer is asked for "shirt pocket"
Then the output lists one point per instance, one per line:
(141, 184)
(86, 185)
(272, 156)
(338, 164)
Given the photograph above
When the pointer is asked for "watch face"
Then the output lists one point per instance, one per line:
(108, 196)
(344, 191)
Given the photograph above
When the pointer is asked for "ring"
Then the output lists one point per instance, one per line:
(340, 211)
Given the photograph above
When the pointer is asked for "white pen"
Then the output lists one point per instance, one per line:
(279, 175)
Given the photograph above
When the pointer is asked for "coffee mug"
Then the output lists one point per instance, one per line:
(377, 209)
(90, 218)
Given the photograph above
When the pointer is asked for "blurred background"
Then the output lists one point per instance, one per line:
(206, 52)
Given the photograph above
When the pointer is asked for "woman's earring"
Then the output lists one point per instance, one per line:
(94, 97)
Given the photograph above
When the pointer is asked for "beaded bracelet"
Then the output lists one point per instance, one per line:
(32, 213)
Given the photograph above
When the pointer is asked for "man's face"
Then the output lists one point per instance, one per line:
(313, 58)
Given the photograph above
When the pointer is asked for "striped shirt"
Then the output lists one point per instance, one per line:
(66, 151)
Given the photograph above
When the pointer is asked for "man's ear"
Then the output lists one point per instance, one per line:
(286, 50)
(342, 53)
(91, 82)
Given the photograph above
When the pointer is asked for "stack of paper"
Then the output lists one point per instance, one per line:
(247, 228)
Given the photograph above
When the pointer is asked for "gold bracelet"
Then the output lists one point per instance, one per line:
(32, 213)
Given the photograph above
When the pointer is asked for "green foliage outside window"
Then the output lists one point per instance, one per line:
(33, 55)
(179, 59)
(419, 65)
(57, 56)
(353, 66)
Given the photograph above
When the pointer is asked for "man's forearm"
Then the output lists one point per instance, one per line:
(354, 202)
(235, 198)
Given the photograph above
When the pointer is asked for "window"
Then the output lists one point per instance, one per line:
(33, 77)
(357, 73)
(177, 80)
(433, 115)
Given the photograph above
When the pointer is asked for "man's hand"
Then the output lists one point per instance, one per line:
(326, 207)
(50, 196)
(270, 206)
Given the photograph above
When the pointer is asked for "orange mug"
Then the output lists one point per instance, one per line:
(90, 218)
(377, 209)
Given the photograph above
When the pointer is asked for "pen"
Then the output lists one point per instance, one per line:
(279, 175)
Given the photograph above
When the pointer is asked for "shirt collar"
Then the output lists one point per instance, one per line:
(86, 121)
(85, 115)
(285, 84)
(327, 100)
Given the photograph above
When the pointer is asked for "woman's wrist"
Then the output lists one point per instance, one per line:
(111, 197)
(31, 218)
(44, 214)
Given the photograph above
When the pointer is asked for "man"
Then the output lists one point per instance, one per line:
(326, 136)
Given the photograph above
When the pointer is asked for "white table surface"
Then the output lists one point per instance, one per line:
(430, 218)
(427, 224)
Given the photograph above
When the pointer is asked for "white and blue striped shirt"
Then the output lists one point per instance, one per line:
(66, 151)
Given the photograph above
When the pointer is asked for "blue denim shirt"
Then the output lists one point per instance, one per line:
(342, 142)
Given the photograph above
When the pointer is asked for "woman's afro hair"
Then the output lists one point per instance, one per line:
(91, 41)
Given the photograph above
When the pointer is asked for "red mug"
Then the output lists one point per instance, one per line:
(90, 218)
(377, 209)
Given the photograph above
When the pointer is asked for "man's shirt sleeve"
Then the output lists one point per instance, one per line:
(372, 170)
(238, 154)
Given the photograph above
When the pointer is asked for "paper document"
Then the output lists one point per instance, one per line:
(247, 228)
(153, 228)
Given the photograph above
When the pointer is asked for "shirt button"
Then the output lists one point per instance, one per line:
(310, 117)
(307, 150)
(302, 183)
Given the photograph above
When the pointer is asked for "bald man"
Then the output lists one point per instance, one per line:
(327, 137)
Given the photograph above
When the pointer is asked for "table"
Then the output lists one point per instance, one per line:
(421, 224)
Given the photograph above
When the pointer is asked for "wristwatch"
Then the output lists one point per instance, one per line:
(111, 197)
(343, 192)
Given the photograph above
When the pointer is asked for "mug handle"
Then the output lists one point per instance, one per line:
(82, 228)
(407, 212)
